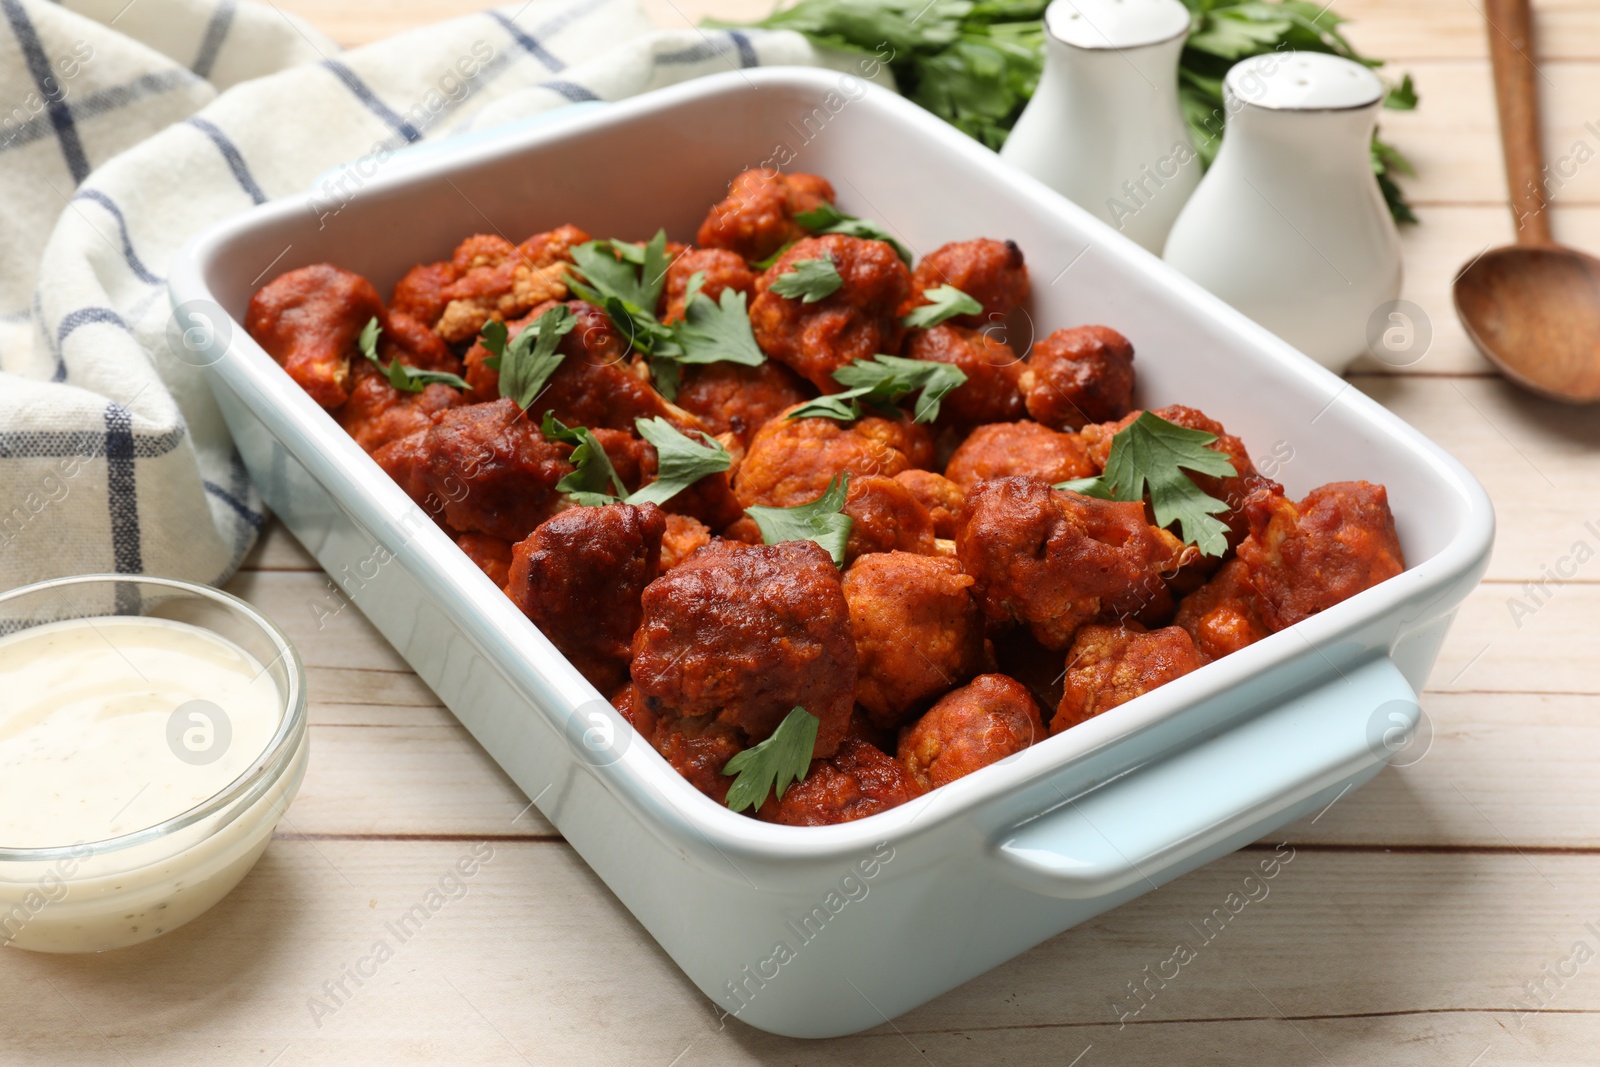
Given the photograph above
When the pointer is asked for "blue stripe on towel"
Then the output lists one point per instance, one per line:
(230, 152)
(364, 93)
(529, 43)
(216, 33)
(122, 499)
(135, 264)
(83, 317)
(55, 101)
(571, 90)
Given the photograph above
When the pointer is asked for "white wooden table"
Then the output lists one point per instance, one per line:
(1402, 932)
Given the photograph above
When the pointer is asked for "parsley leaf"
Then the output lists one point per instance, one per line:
(882, 382)
(947, 303)
(527, 361)
(783, 758)
(828, 219)
(593, 473)
(821, 520)
(713, 331)
(680, 461)
(632, 272)
(404, 378)
(1154, 451)
(809, 279)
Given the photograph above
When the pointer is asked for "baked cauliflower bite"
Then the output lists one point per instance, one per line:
(991, 272)
(885, 516)
(744, 634)
(723, 270)
(917, 631)
(308, 321)
(991, 392)
(856, 321)
(791, 461)
(941, 497)
(377, 413)
(1110, 665)
(1018, 449)
(485, 468)
(1224, 615)
(1232, 489)
(733, 398)
(1304, 558)
(1079, 376)
(685, 535)
(487, 277)
(860, 780)
(1053, 560)
(983, 722)
(698, 748)
(579, 578)
(756, 218)
(491, 554)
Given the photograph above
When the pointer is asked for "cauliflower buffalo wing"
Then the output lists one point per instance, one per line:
(1224, 615)
(733, 398)
(860, 780)
(991, 272)
(1053, 561)
(1110, 665)
(580, 576)
(856, 321)
(746, 633)
(722, 269)
(983, 722)
(791, 461)
(1306, 557)
(885, 517)
(991, 392)
(1018, 449)
(485, 468)
(941, 497)
(1079, 376)
(756, 218)
(308, 320)
(917, 631)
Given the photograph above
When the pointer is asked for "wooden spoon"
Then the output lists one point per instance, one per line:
(1532, 308)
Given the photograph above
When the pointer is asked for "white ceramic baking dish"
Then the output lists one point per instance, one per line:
(823, 931)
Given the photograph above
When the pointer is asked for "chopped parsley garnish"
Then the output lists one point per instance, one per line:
(404, 378)
(626, 281)
(526, 362)
(713, 331)
(946, 302)
(828, 219)
(821, 521)
(680, 461)
(1152, 452)
(809, 279)
(773, 764)
(882, 382)
(592, 473)
(635, 273)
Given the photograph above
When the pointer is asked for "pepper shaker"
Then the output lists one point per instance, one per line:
(1289, 225)
(1104, 127)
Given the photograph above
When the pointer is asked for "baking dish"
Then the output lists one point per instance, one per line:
(824, 931)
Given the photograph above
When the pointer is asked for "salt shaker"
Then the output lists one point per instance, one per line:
(1289, 225)
(1104, 127)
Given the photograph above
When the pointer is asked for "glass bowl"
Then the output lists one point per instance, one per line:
(97, 895)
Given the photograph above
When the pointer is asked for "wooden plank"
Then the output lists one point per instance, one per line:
(533, 959)
(1406, 30)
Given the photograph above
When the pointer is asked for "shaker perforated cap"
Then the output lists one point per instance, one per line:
(1110, 24)
(1303, 81)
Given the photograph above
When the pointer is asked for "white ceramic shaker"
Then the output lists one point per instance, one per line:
(1289, 225)
(1104, 128)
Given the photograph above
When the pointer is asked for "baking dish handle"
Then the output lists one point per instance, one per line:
(1145, 825)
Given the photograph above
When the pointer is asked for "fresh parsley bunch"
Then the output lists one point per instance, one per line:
(976, 63)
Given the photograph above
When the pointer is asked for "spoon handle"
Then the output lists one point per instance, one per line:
(1516, 91)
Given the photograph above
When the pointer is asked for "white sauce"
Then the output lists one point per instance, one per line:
(85, 712)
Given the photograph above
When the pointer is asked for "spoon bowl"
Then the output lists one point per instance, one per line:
(1534, 311)
(1533, 308)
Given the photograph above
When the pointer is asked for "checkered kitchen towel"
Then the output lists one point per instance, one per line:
(126, 126)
